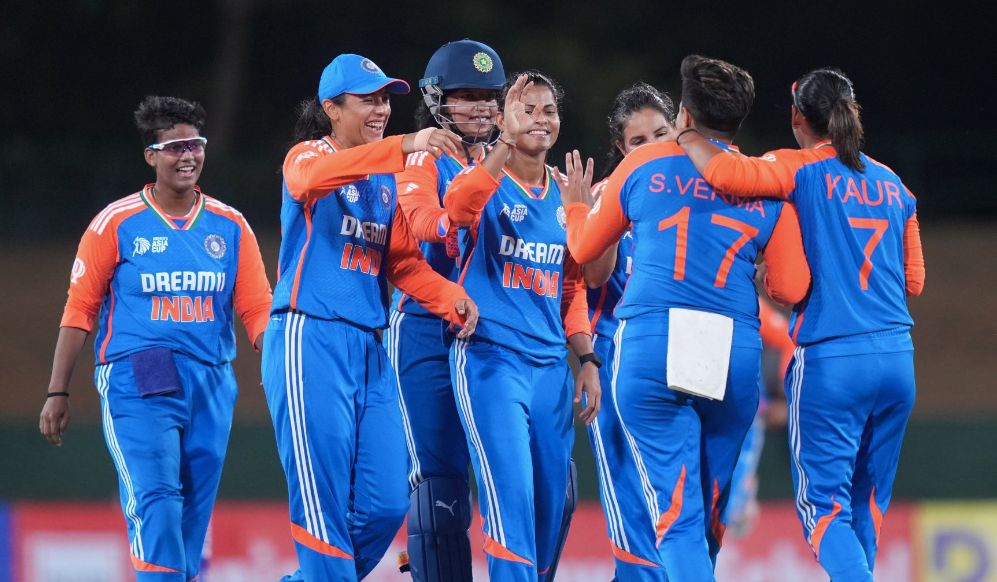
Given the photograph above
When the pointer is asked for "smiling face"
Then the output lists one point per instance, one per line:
(178, 174)
(645, 126)
(360, 119)
(544, 134)
(472, 111)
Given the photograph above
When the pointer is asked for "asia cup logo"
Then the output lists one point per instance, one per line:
(78, 269)
(215, 245)
(483, 62)
(141, 246)
(351, 193)
(562, 218)
(369, 66)
(386, 197)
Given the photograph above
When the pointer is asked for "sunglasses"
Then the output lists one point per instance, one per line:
(176, 147)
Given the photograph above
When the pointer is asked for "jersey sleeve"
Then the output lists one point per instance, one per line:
(913, 257)
(574, 300)
(96, 260)
(312, 169)
(775, 333)
(419, 198)
(787, 275)
(773, 174)
(252, 295)
(408, 270)
(592, 231)
(468, 193)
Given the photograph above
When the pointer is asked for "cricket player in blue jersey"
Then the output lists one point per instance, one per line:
(640, 115)
(850, 387)
(512, 382)
(163, 272)
(694, 250)
(460, 93)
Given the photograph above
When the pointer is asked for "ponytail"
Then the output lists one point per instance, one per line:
(845, 129)
(826, 99)
(312, 121)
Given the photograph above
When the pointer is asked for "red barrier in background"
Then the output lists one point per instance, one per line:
(252, 542)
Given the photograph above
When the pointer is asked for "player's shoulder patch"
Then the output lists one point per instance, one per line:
(217, 207)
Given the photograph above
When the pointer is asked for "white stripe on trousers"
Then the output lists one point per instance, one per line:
(649, 495)
(103, 384)
(803, 504)
(393, 343)
(294, 380)
(612, 506)
(487, 482)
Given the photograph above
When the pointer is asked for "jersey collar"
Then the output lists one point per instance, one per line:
(527, 190)
(192, 217)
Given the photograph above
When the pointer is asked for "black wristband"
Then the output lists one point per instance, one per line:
(683, 132)
(51, 394)
(590, 357)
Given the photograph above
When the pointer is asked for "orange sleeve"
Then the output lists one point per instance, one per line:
(775, 333)
(787, 275)
(408, 270)
(913, 258)
(574, 300)
(419, 198)
(312, 169)
(593, 230)
(251, 296)
(468, 193)
(96, 260)
(773, 174)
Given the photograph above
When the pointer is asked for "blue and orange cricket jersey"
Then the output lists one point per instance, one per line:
(343, 235)
(161, 281)
(854, 227)
(694, 246)
(420, 194)
(603, 300)
(515, 262)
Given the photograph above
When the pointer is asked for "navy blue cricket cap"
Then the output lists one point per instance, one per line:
(355, 74)
(464, 64)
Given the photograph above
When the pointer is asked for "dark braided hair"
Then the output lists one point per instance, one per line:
(631, 100)
(157, 114)
(826, 98)
(717, 94)
(312, 121)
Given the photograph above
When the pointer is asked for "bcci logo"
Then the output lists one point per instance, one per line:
(141, 246)
(483, 62)
(386, 197)
(562, 219)
(215, 245)
(351, 193)
(369, 66)
(78, 269)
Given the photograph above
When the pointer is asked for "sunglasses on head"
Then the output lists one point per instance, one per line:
(176, 147)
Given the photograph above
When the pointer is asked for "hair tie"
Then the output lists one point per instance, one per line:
(422, 138)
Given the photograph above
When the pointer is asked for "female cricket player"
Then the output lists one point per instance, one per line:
(640, 115)
(851, 382)
(460, 93)
(332, 393)
(693, 261)
(512, 382)
(163, 271)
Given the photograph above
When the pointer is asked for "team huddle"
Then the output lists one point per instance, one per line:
(499, 259)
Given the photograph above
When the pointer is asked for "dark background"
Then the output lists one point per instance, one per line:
(72, 73)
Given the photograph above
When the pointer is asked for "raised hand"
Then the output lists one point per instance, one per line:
(576, 182)
(517, 120)
(433, 140)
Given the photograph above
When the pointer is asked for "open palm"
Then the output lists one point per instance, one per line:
(517, 121)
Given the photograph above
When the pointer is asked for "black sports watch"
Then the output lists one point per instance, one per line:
(590, 357)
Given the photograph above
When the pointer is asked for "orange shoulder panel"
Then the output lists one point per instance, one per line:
(419, 198)
(773, 174)
(96, 260)
(312, 169)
